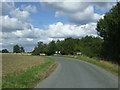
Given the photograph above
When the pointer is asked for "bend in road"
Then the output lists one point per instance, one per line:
(72, 73)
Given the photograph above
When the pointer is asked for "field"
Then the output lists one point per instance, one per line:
(18, 63)
(25, 71)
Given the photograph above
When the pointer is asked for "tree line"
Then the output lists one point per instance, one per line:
(89, 45)
(16, 49)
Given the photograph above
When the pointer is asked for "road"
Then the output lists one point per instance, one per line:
(72, 73)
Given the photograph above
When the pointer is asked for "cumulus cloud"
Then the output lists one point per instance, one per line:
(56, 31)
(65, 6)
(12, 24)
(29, 8)
(60, 30)
(78, 12)
(14, 18)
(85, 17)
(21, 15)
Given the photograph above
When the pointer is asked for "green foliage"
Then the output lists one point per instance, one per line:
(51, 48)
(22, 50)
(5, 51)
(35, 51)
(90, 46)
(69, 46)
(18, 49)
(109, 29)
(40, 48)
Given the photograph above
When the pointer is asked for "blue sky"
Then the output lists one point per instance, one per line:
(43, 16)
(26, 23)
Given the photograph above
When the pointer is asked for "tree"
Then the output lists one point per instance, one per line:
(109, 29)
(69, 46)
(91, 46)
(22, 50)
(51, 48)
(16, 49)
(5, 51)
(35, 51)
(40, 47)
(60, 47)
(45, 48)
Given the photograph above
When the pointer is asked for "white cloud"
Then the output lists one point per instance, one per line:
(78, 12)
(84, 17)
(29, 39)
(60, 30)
(21, 15)
(66, 6)
(29, 8)
(12, 24)
(15, 18)
(55, 31)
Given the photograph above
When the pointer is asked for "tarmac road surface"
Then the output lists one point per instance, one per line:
(72, 73)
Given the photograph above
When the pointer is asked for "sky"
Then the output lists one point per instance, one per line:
(26, 23)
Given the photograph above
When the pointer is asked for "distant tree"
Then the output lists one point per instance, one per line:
(5, 51)
(90, 46)
(35, 51)
(16, 49)
(60, 46)
(45, 48)
(109, 29)
(68, 45)
(51, 48)
(22, 50)
(40, 47)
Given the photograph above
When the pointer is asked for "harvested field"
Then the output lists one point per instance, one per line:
(21, 71)
(17, 63)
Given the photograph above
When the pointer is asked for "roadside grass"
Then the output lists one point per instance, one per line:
(29, 77)
(107, 65)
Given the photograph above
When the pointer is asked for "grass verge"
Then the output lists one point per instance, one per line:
(30, 77)
(108, 66)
